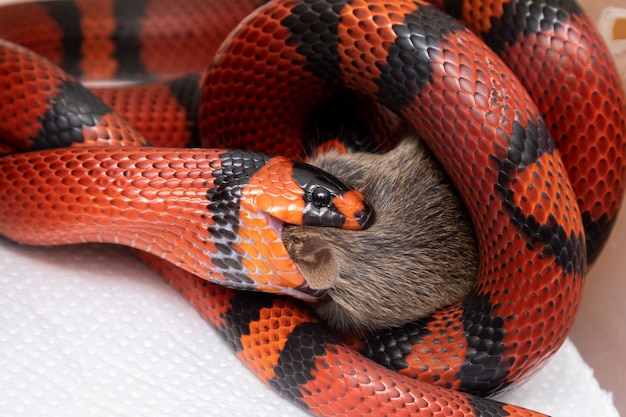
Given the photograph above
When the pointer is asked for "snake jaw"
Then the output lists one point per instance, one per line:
(265, 259)
(301, 291)
(309, 293)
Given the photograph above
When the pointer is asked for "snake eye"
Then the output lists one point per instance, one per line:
(321, 197)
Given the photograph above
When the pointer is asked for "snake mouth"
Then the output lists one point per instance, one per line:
(315, 294)
(289, 281)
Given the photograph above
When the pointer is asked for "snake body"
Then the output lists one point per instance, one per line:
(538, 158)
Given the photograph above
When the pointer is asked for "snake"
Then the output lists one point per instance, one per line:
(535, 148)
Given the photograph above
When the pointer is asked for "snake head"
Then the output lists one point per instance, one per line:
(301, 194)
(269, 192)
(328, 202)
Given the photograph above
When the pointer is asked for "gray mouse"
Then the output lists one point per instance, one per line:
(418, 256)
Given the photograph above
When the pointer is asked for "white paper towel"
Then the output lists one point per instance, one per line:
(90, 331)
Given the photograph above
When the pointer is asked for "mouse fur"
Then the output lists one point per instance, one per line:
(418, 256)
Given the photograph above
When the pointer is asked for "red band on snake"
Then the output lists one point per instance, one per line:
(538, 158)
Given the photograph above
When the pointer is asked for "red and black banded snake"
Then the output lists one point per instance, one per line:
(469, 110)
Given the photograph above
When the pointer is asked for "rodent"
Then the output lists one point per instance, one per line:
(418, 256)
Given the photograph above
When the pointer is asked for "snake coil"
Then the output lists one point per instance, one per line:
(535, 148)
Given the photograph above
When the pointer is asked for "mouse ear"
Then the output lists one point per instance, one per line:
(316, 261)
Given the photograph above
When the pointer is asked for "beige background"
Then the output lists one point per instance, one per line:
(600, 329)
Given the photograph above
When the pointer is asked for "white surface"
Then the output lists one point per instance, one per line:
(90, 331)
